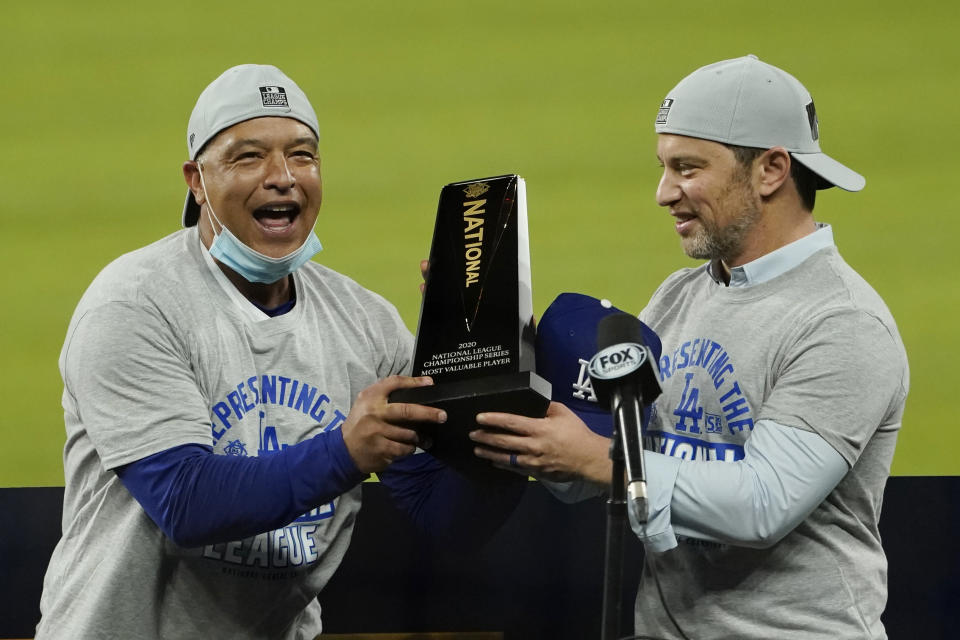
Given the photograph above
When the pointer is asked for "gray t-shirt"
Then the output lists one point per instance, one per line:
(162, 351)
(815, 349)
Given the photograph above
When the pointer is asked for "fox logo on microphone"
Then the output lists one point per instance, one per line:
(617, 361)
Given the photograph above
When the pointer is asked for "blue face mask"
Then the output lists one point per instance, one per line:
(251, 264)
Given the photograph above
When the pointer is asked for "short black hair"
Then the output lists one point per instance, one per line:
(807, 181)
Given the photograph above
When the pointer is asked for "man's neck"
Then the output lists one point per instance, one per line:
(775, 263)
(778, 226)
(267, 296)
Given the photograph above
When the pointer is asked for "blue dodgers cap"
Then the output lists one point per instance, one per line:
(566, 340)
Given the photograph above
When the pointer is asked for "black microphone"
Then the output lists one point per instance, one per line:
(624, 376)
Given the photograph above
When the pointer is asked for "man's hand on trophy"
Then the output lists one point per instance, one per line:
(424, 271)
(378, 432)
(557, 447)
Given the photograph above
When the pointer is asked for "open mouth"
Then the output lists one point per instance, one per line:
(276, 218)
(683, 221)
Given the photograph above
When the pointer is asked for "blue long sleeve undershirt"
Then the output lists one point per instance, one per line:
(198, 498)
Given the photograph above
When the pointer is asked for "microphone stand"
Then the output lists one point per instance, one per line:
(613, 557)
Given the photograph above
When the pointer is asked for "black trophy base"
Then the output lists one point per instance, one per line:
(524, 393)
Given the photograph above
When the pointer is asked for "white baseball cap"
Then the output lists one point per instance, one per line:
(749, 103)
(242, 93)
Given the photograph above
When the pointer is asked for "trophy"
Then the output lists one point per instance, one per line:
(475, 336)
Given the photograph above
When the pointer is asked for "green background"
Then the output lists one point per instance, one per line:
(414, 95)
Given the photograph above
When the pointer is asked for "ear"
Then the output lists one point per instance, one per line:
(191, 174)
(774, 169)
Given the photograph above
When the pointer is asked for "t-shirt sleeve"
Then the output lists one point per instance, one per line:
(399, 346)
(132, 385)
(841, 378)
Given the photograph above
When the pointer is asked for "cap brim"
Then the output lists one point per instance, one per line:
(191, 210)
(831, 171)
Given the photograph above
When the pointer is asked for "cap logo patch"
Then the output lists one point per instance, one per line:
(812, 118)
(193, 137)
(273, 97)
(664, 110)
(583, 387)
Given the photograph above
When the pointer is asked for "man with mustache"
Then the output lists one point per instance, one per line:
(784, 380)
